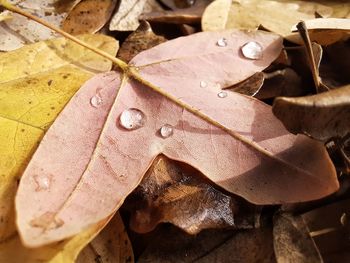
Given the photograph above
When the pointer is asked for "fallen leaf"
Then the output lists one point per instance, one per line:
(275, 16)
(248, 246)
(16, 32)
(322, 116)
(178, 4)
(13, 251)
(141, 39)
(292, 242)
(111, 245)
(168, 185)
(36, 82)
(257, 161)
(250, 86)
(127, 16)
(88, 16)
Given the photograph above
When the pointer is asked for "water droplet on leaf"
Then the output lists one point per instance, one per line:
(132, 119)
(203, 84)
(252, 50)
(166, 131)
(96, 101)
(222, 42)
(42, 181)
(222, 94)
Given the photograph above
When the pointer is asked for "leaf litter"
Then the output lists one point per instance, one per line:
(145, 68)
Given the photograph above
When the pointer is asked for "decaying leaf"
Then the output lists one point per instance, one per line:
(19, 30)
(322, 116)
(141, 39)
(112, 245)
(36, 82)
(258, 157)
(175, 193)
(88, 16)
(250, 86)
(292, 242)
(13, 251)
(172, 246)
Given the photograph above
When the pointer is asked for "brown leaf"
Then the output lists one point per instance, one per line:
(250, 86)
(292, 242)
(112, 245)
(141, 39)
(172, 246)
(322, 116)
(88, 16)
(176, 193)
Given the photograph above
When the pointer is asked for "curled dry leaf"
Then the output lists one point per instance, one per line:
(275, 16)
(324, 31)
(88, 16)
(322, 116)
(141, 39)
(16, 32)
(175, 193)
(112, 245)
(292, 242)
(250, 86)
(36, 81)
(254, 156)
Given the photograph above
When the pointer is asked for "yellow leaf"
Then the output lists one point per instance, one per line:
(36, 81)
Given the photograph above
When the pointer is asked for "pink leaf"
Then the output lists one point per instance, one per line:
(92, 163)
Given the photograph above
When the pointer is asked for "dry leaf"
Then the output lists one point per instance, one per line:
(141, 39)
(111, 245)
(257, 161)
(36, 82)
(275, 16)
(16, 32)
(88, 16)
(322, 116)
(250, 86)
(177, 194)
(292, 242)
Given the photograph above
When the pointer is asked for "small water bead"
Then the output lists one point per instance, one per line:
(96, 101)
(42, 181)
(252, 50)
(203, 84)
(132, 119)
(166, 131)
(222, 42)
(222, 94)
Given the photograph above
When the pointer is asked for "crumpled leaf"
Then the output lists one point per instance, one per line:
(111, 245)
(19, 30)
(36, 82)
(172, 246)
(88, 16)
(292, 242)
(275, 16)
(141, 39)
(322, 116)
(127, 16)
(168, 186)
(256, 162)
(13, 251)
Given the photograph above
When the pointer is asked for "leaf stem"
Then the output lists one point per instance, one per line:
(17, 10)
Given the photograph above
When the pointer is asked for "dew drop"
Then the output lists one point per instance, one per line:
(203, 84)
(166, 131)
(252, 50)
(96, 101)
(132, 119)
(43, 182)
(222, 94)
(222, 42)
